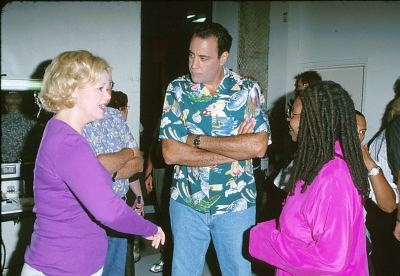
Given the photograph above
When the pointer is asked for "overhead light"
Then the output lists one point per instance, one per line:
(190, 16)
(20, 84)
(200, 19)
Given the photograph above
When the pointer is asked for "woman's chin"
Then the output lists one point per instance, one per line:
(101, 116)
(98, 116)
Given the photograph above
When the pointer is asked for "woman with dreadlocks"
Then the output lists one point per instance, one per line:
(321, 229)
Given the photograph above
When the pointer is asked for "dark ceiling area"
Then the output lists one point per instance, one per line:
(165, 38)
(171, 16)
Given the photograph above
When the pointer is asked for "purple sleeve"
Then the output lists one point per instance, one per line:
(91, 184)
(329, 215)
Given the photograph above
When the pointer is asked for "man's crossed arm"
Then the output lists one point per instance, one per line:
(125, 162)
(217, 150)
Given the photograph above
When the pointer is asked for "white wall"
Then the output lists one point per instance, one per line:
(32, 32)
(342, 32)
(226, 13)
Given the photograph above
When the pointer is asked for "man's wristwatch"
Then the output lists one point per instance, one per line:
(114, 176)
(196, 141)
(374, 171)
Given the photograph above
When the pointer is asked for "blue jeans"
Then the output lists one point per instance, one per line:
(116, 257)
(192, 232)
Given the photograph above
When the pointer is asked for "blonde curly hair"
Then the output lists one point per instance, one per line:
(68, 71)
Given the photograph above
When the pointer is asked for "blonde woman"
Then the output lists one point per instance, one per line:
(73, 195)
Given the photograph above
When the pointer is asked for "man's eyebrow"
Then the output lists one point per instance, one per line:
(202, 56)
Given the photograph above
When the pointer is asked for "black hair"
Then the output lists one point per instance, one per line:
(118, 99)
(359, 113)
(311, 77)
(13, 98)
(328, 115)
(224, 39)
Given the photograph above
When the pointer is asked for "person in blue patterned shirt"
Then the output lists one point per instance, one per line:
(213, 123)
(113, 143)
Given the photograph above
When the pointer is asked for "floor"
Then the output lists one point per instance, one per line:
(149, 256)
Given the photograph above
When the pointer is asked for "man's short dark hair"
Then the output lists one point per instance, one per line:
(310, 77)
(224, 39)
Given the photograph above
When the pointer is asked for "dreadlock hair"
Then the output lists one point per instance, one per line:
(327, 116)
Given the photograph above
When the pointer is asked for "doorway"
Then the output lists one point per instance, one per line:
(165, 40)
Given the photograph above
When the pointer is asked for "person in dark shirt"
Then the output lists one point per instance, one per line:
(15, 127)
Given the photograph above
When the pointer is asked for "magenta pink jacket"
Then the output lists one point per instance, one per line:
(322, 230)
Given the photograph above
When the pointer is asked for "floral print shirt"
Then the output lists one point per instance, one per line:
(108, 135)
(189, 108)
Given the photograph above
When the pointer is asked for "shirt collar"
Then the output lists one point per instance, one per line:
(338, 148)
(228, 80)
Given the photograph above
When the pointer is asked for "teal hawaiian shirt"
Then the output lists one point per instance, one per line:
(189, 108)
(108, 135)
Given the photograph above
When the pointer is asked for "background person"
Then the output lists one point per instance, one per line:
(15, 127)
(113, 143)
(380, 223)
(281, 152)
(73, 195)
(302, 81)
(119, 100)
(393, 136)
(306, 79)
(158, 176)
(383, 191)
(321, 228)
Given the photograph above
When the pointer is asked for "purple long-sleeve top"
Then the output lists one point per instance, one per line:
(321, 231)
(73, 198)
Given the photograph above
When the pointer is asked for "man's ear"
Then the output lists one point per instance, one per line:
(223, 58)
